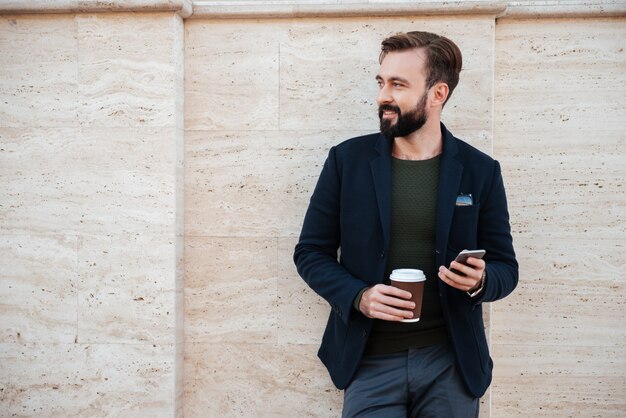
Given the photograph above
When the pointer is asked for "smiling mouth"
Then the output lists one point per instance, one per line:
(387, 114)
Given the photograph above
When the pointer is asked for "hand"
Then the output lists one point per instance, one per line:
(469, 277)
(386, 302)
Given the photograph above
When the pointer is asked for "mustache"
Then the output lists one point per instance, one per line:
(384, 107)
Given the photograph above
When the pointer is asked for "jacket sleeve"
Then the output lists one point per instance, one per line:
(315, 254)
(494, 235)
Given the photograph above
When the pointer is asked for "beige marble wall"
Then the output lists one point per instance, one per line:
(91, 146)
(265, 99)
(559, 340)
(92, 110)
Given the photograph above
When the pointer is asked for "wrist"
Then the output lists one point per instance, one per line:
(479, 286)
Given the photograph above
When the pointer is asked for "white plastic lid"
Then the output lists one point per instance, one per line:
(407, 275)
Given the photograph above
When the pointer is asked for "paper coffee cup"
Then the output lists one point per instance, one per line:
(411, 280)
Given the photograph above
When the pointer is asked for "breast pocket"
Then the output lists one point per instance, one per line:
(464, 227)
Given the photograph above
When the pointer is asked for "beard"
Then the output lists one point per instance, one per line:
(407, 123)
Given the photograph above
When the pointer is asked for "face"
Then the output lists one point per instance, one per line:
(402, 98)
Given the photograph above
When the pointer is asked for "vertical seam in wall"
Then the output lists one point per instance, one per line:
(279, 84)
(179, 282)
(493, 140)
(76, 111)
(277, 289)
(493, 91)
(490, 400)
(77, 286)
(77, 125)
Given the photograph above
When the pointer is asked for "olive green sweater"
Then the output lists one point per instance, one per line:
(413, 216)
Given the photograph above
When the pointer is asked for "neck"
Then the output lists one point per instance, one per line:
(423, 144)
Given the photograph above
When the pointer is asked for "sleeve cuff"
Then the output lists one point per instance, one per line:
(357, 299)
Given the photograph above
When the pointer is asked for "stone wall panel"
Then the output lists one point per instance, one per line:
(559, 136)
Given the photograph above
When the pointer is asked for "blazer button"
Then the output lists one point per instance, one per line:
(364, 333)
(382, 254)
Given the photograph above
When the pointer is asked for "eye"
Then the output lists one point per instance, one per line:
(397, 85)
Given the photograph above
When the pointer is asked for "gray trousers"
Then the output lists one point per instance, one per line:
(422, 382)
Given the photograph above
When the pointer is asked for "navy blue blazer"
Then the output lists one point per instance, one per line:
(350, 211)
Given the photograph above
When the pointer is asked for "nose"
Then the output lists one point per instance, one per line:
(383, 96)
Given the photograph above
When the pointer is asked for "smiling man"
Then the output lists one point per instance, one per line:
(411, 196)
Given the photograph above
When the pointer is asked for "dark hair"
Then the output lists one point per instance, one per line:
(444, 60)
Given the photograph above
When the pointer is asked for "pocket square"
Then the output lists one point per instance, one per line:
(464, 200)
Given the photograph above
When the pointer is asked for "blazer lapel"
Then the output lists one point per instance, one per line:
(381, 173)
(449, 181)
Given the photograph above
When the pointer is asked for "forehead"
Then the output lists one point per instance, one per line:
(409, 65)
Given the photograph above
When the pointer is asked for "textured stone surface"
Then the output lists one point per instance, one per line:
(251, 183)
(302, 314)
(230, 290)
(244, 377)
(38, 289)
(39, 67)
(126, 70)
(86, 380)
(126, 290)
(88, 181)
(131, 173)
(231, 75)
(562, 129)
(91, 144)
(37, 198)
(585, 278)
(559, 340)
(559, 381)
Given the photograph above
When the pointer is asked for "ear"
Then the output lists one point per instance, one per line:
(439, 94)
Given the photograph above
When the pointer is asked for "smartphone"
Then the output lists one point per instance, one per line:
(465, 254)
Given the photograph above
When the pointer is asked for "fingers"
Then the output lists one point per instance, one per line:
(455, 280)
(392, 291)
(464, 277)
(387, 303)
(476, 262)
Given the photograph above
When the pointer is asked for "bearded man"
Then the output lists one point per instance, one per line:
(410, 196)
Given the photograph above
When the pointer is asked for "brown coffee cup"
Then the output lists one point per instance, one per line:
(411, 280)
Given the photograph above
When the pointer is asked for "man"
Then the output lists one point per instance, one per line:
(411, 196)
